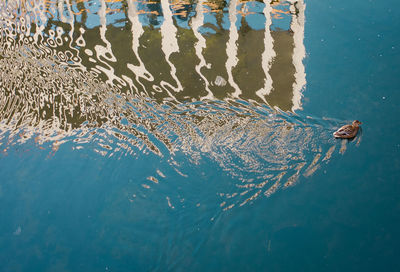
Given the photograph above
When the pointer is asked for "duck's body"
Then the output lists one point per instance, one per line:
(348, 131)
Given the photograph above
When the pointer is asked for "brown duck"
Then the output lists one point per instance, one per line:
(347, 131)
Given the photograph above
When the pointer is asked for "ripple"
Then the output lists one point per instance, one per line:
(167, 96)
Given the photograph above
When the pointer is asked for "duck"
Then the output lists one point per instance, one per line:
(347, 131)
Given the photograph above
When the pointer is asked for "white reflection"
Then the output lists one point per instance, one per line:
(231, 47)
(200, 45)
(61, 7)
(299, 51)
(39, 13)
(105, 52)
(268, 53)
(169, 44)
(140, 70)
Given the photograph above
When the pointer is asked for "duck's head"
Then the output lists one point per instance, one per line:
(356, 123)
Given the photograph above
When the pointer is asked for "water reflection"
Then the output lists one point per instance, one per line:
(199, 78)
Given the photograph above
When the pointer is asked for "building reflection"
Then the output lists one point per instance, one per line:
(201, 78)
(185, 51)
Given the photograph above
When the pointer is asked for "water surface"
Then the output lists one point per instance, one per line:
(140, 135)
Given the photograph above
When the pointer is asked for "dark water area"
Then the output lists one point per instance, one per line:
(194, 136)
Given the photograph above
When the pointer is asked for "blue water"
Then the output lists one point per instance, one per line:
(77, 207)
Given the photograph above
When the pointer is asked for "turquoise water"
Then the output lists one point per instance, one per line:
(173, 154)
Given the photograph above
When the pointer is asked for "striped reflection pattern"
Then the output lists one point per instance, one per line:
(208, 79)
